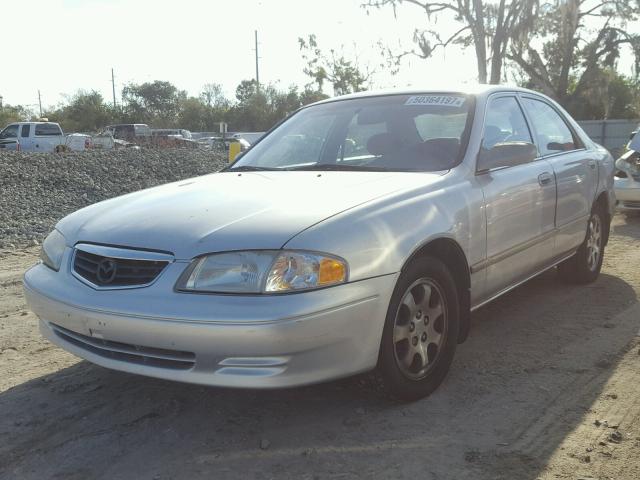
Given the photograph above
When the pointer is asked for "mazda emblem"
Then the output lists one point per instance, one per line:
(107, 270)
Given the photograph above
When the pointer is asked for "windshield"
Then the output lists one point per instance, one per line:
(390, 133)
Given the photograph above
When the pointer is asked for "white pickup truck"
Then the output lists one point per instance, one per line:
(40, 137)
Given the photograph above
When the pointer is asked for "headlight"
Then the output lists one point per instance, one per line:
(269, 271)
(53, 250)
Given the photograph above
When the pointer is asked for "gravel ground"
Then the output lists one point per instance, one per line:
(36, 190)
(547, 387)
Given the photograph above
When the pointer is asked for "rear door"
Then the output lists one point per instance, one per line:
(574, 166)
(520, 202)
(26, 137)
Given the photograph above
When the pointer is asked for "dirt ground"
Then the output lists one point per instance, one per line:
(546, 387)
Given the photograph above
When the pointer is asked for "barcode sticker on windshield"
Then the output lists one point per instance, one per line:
(441, 100)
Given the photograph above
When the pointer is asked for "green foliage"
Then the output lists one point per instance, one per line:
(84, 112)
(344, 75)
(611, 95)
(149, 102)
(160, 104)
(10, 114)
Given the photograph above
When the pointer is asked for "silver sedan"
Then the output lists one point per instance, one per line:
(358, 234)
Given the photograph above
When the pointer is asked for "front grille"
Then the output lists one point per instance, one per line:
(112, 272)
(149, 356)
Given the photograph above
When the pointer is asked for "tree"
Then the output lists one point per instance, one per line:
(489, 26)
(152, 102)
(213, 96)
(611, 96)
(84, 112)
(344, 75)
(580, 40)
(10, 114)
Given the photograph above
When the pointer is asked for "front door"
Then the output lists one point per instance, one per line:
(520, 203)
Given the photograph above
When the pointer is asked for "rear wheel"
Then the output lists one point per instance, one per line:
(421, 330)
(585, 265)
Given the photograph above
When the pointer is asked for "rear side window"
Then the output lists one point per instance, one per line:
(505, 122)
(10, 132)
(25, 131)
(552, 133)
(48, 130)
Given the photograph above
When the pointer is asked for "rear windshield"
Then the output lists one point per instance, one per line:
(47, 130)
(392, 133)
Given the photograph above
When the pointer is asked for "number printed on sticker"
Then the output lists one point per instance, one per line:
(442, 100)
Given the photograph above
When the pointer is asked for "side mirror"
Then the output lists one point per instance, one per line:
(506, 155)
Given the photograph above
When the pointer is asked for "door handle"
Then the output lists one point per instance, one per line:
(544, 179)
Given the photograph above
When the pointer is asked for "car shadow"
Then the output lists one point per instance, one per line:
(627, 224)
(535, 361)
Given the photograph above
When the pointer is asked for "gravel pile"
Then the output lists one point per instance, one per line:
(37, 189)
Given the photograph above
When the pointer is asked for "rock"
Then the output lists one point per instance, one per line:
(597, 423)
(264, 444)
(615, 436)
(38, 189)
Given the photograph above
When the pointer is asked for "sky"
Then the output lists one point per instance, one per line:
(69, 45)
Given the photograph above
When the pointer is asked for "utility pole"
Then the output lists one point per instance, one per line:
(40, 103)
(113, 85)
(257, 70)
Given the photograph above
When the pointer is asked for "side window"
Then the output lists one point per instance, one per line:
(25, 131)
(505, 122)
(47, 130)
(10, 132)
(552, 133)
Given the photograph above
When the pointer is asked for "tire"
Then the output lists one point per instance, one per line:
(584, 267)
(421, 330)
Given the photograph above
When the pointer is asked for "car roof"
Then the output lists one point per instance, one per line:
(478, 90)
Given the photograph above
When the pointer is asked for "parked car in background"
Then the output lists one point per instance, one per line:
(171, 132)
(359, 234)
(104, 141)
(219, 143)
(627, 179)
(79, 141)
(130, 132)
(34, 137)
(173, 137)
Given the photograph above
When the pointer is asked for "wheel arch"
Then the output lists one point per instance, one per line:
(452, 255)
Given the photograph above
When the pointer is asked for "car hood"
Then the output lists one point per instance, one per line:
(230, 211)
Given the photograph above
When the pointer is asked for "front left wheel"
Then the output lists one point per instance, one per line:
(421, 330)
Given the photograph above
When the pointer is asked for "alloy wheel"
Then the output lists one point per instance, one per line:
(420, 328)
(594, 242)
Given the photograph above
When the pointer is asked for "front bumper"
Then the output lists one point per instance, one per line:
(627, 193)
(260, 341)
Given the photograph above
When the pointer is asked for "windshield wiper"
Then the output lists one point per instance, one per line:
(340, 166)
(251, 168)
